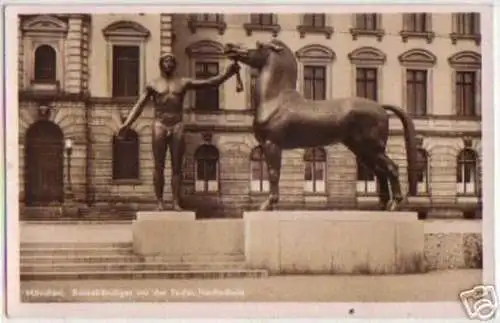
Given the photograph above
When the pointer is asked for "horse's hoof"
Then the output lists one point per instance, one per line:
(392, 206)
(266, 206)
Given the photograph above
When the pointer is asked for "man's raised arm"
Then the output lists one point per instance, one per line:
(213, 81)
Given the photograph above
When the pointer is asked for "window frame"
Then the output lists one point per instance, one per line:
(313, 80)
(194, 23)
(115, 144)
(139, 83)
(311, 186)
(456, 35)
(460, 167)
(262, 183)
(304, 28)
(126, 33)
(424, 186)
(466, 61)
(205, 51)
(316, 55)
(408, 31)
(251, 26)
(38, 31)
(204, 183)
(365, 187)
(356, 30)
(418, 59)
(207, 63)
(368, 57)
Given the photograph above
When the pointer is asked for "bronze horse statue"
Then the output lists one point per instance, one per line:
(284, 119)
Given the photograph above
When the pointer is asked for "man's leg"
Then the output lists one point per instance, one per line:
(159, 154)
(177, 148)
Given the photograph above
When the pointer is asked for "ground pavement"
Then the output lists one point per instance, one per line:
(430, 287)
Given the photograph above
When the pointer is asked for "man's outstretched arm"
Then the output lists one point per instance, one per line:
(212, 81)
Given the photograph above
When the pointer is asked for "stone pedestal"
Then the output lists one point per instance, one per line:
(334, 242)
(178, 236)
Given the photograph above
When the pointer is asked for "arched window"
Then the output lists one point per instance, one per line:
(259, 181)
(45, 64)
(366, 183)
(207, 168)
(126, 156)
(315, 170)
(423, 171)
(467, 172)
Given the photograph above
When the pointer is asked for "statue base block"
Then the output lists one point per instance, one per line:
(334, 242)
(177, 236)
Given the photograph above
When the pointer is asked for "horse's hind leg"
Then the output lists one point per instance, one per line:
(382, 179)
(383, 188)
(272, 154)
(388, 166)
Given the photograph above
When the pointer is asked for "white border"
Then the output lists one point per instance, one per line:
(254, 310)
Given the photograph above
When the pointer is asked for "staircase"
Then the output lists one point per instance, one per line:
(106, 260)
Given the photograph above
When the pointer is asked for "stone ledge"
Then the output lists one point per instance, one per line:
(334, 242)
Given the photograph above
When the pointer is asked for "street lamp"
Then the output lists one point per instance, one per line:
(68, 145)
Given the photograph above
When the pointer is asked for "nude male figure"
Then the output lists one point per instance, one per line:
(167, 93)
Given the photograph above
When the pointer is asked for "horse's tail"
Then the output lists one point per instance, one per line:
(411, 146)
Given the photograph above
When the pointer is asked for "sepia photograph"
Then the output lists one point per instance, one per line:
(182, 156)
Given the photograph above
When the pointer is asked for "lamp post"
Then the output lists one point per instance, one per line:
(68, 145)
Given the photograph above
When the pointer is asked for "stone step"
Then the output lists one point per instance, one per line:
(74, 245)
(113, 258)
(75, 251)
(131, 266)
(167, 274)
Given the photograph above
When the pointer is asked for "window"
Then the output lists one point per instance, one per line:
(315, 65)
(314, 82)
(367, 21)
(207, 17)
(315, 170)
(467, 79)
(467, 23)
(423, 171)
(368, 24)
(467, 172)
(466, 93)
(314, 20)
(417, 66)
(262, 22)
(416, 22)
(367, 66)
(417, 25)
(125, 71)
(206, 59)
(126, 156)
(314, 23)
(45, 64)
(259, 181)
(207, 98)
(366, 83)
(262, 19)
(207, 20)
(366, 183)
(207, 169)
(126, 56)
(41, 63)
(416, 92)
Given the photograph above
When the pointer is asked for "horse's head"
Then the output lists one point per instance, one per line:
(257, 57)
(273, 59)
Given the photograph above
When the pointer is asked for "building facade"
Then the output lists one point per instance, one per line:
(79, 76)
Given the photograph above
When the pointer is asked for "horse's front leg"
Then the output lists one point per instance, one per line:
(272, 155)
